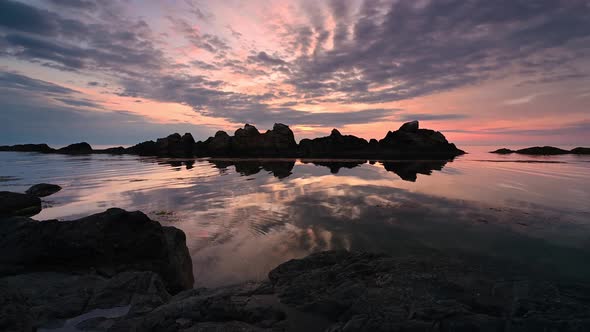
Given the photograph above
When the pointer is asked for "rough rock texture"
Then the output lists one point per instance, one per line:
(411, 141)
(368, 292)
(43, 148)
(43, 189)
(16, 204)
(45, 299)
(106, 243)
(334, 146)
(543, 151)
(76, 148)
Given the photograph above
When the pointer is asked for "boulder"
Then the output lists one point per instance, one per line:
(16, 204)
(410, 141)
(43, 189)
(42, 148)
(175, 145)
(279, 141)
(218, 145)
(107, 243)
(76, 148)
(410, 127)
(334, 146)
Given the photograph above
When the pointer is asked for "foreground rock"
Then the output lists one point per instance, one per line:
(16, 204)
(43, 189)
(543, 151)
(106, 243)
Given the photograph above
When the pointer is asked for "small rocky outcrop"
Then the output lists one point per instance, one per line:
(147, 148)
(43, 189)
(76, 148)
(41, 148)
(114, 150)
(106, 243)
(409, 140)
(218, 145)
(175, 145)
(16, 204)
(543, 151)
(334, 146)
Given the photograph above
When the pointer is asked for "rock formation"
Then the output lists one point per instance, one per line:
(43, 189)
(334, 146)
(76, 148)
(16, 204)
(543, 151)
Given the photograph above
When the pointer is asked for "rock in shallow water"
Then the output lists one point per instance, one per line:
(43, 189)
(16, 204)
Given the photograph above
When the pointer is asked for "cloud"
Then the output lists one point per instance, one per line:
(14, 80)
(522, 100)
(400, 50)
(264, 58)
(431, 117)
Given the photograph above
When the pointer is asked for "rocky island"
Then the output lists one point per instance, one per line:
(409, 141)
(543, 151)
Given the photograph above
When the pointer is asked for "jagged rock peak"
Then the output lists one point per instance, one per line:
(335, 132)
(410, 127)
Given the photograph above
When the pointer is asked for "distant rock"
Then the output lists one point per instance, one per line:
(175, 145)
(43, 189)
(42, 148)
(218, 145)
(147, 148)
(77, 148)
(106, 243)
(537, 150)
(115, 150)
(16, 204)
(503, 151)
(580, 150)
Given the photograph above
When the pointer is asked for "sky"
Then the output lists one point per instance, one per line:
(502, 72)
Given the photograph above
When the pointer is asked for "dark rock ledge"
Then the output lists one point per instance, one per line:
(409, 141)
(544, 151)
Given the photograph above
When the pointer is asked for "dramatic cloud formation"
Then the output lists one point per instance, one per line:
(366, 65)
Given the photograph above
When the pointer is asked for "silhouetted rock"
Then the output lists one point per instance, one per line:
(334, 146)
(43, 189)
(581, 150)
(408, 170)
(218, 145)
(410, 141)
(147, 148)
(16, 204)
(410, 127)
(503, 151)
(536, 150)
(76, 148)
(107, 243)
(114, 150)
(175, 145)
(42, 148)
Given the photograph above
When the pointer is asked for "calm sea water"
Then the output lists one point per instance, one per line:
(242, 218)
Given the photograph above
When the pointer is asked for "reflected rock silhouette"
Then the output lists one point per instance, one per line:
(278, 168)
(335, 166)
(408, 170)
(177, 164)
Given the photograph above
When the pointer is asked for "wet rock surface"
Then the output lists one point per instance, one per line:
(43, 189)
(17, 204)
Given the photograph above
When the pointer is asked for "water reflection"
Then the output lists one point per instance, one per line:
(407, 170)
